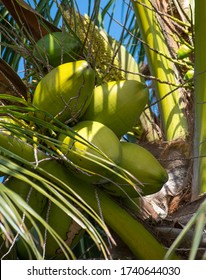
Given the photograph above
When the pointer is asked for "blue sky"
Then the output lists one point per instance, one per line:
(117, 8)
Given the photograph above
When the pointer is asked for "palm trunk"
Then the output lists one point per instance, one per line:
(199, 180)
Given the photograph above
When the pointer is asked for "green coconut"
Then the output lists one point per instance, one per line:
(189, 75)
(66, 91)
(57, 48)
(35, 199)
(60, 222)
(95, 146)
(118, 105)
(8, 127)
(184, 51)
(148, 175)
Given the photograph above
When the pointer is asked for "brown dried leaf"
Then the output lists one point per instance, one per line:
(32, 23)
(10, 82)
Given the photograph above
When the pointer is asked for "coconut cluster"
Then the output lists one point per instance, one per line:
(98, 116)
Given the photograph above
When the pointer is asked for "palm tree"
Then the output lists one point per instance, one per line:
(170, 128)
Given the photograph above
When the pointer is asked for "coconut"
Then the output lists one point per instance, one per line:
(59, 221)
(145, 172)
(95, 150)
(35, 199)
(118, 105)
(57, 48)
(184, 51)
(8, 127)
(66, 91)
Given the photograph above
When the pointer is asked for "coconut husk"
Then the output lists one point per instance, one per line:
(175, 158)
